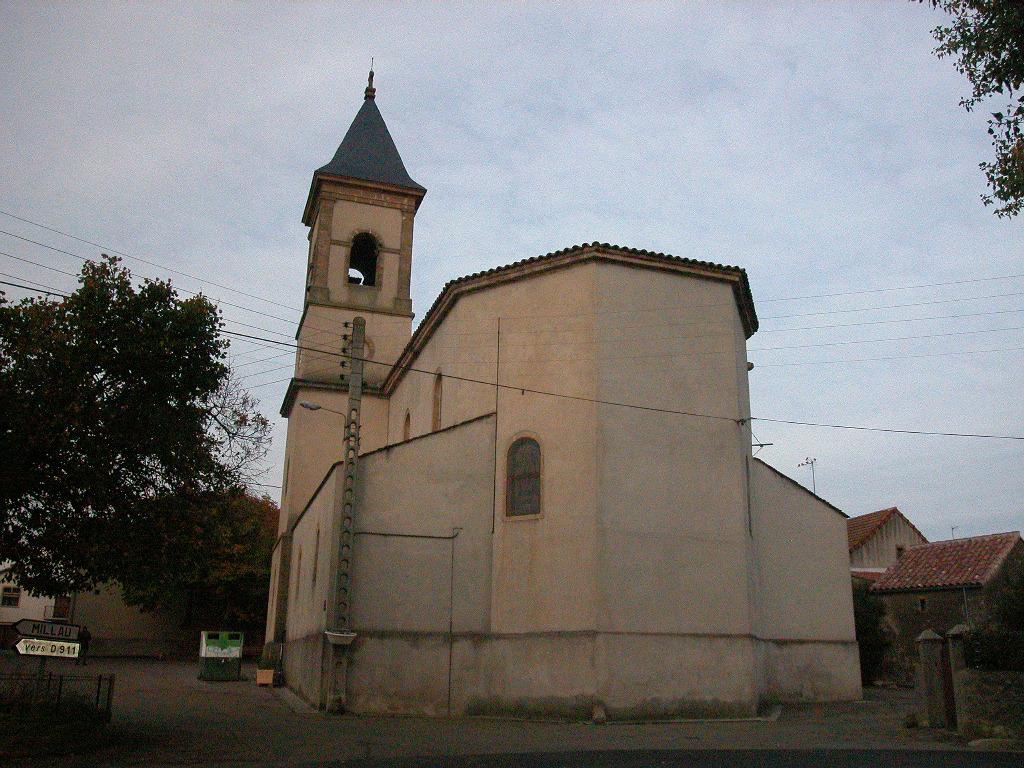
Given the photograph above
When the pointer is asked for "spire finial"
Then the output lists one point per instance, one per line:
(370, 90)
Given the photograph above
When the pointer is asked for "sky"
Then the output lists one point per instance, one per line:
(820, 147)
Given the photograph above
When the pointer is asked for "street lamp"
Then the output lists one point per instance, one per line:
(310, 406)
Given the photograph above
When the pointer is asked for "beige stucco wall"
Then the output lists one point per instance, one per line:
(432, 498)
(29, 606)
(804, 618)
(118, 629)
(658, 579)
(543, 573)
(673, 538)
(879, 551)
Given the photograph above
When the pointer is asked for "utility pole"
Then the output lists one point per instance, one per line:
(338, 633)
(810, 462)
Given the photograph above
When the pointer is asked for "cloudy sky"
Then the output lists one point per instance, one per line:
(821, 147)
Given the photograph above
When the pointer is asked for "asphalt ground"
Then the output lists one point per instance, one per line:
(164, 716)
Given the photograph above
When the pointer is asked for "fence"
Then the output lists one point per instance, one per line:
(28, 695)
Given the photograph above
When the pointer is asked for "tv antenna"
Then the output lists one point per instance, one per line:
(810, 462)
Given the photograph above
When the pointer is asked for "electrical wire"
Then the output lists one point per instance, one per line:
(668, 410)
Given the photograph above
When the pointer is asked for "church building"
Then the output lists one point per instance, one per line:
(542, 500)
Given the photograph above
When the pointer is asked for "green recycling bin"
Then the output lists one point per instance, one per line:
(221, 654)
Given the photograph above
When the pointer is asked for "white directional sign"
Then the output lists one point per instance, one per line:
(29, 646)
(51, 630)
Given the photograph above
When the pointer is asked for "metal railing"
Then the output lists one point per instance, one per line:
(28, 695)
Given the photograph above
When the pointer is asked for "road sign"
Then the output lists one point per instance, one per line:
(28, 646)
(50, 630)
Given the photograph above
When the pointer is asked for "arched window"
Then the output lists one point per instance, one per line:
(522, 484)
(438, 395)
(407, 427)
(362, 259)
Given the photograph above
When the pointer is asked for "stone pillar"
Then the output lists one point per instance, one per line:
(957, 663)
(955, 638)
(931, 698)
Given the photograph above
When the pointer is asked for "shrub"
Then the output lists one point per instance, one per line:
(872, 639)
(995, 648)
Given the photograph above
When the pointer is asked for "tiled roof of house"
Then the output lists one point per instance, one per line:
(861, 528)
(953, 563)
(866, 575)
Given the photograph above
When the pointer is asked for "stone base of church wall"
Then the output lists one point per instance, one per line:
(398, 673)
(804, 670)
(529, 675)
(561, 675)
(660, 676)
(303, 667)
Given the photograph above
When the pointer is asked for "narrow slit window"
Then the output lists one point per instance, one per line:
(522, 492)
(407, 426)
(438, 395)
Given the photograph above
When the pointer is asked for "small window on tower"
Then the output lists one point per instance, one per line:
(362, 259)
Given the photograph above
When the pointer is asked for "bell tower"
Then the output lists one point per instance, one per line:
(360, 212)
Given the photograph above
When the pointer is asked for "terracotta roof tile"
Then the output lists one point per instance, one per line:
(953, 563)
(861, 528)
(866, 575)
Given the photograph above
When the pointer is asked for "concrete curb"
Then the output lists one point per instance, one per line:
(997, 745)
(294, 702)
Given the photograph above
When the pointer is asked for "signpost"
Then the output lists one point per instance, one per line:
(48, 630)
(29, 646)
(45, 639)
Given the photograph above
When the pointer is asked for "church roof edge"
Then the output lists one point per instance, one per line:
(741, 288)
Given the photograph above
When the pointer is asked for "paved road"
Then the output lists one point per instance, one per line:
(164, 716)
(709, 759)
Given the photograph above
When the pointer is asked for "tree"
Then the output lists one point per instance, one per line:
(987, 38)
(872, 640)
(120, 426)
(222, 579)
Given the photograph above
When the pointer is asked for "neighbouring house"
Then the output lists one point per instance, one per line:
(17, 603)
(944, 583)
(550, 506)
(119, 629)
(877, 540)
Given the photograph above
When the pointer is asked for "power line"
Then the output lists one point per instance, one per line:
(183, 290)
(891, 338)
(144, 261)
(892, 357)
(630, 311)
(896, 306)
(895, 288)
(883, 429)
(34, 290)
(662, 410)
(893, 320)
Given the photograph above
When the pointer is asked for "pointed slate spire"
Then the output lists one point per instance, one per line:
(368, 152)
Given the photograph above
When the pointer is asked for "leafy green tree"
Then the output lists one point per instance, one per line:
(221, 580)
(872, 639)
(121, 426)
(987, 39)
(1008, 601)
